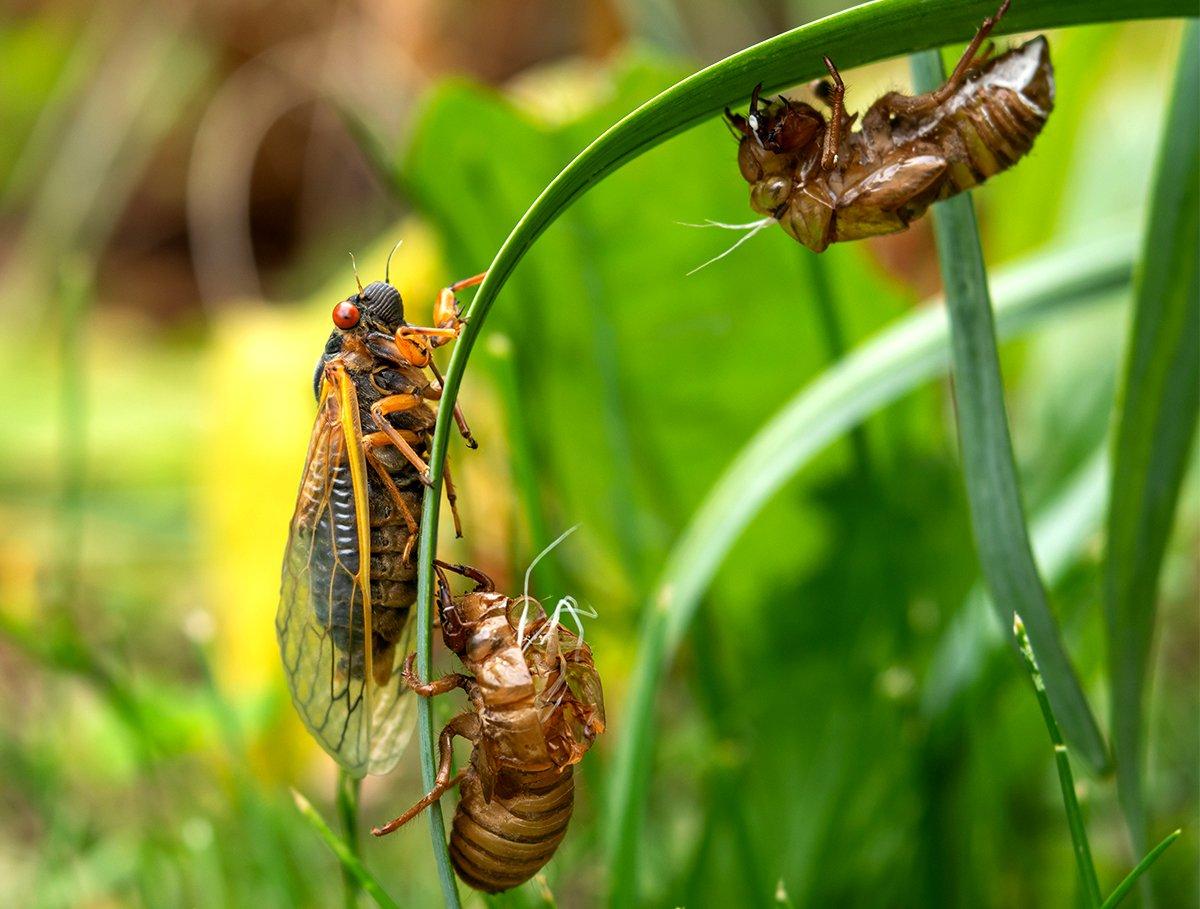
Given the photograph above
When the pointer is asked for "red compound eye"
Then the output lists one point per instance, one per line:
(345, 315)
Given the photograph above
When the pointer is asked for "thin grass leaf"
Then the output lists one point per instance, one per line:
(856, 36)
(350, 861)
(989, 469)
(1079, 840)
(1143, 866)
(1060, 532)
(1160, 399)
(347, 808)
(877, 373)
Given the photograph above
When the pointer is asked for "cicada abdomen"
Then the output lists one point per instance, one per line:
(825, 182)
(535, 707)
(349, 581)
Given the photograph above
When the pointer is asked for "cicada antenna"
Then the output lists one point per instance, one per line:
(387, 268)
(354, 265)
(528, 571)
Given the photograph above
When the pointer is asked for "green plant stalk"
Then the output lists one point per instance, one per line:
(347, 808)
(424, 619)
(345, 855)
(856, 36)
(1079, 840)
(1160, 398)
(988, 465)
(877, 373)
(1123, 888)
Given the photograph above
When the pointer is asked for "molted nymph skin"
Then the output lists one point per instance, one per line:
(909, 153)
(535, 707)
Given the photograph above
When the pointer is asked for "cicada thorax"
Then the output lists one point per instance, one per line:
(910, 151)
(394, 495)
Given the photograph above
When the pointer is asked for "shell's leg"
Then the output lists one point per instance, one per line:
(895, 103)
(444, 685)
(482, 581)
(836, 99)
(466, 725)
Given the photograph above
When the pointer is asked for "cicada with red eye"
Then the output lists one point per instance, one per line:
(349, 578)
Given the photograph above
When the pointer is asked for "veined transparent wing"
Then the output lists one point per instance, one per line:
(355, 709)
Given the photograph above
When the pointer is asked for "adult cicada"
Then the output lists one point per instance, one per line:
(348, 575)
(534, 707)
(825, 182)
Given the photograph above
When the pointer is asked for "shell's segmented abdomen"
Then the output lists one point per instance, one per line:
(501, 844)
(1000, 115)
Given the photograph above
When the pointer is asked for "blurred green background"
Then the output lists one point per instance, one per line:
(179, 187)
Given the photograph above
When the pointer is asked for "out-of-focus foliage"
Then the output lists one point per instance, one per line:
(150, 454)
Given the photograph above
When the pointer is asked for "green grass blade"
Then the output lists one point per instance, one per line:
(1079, 840)
(350, 861)
(876, 374)
(997, 512)
(856, 36)
(347, 809)
(1156, 425)
(425, 731)
(1060, 532)
(1126, 885)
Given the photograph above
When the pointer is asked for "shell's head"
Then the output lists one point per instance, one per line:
(773, 135)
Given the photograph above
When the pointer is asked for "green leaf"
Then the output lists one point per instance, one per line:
(1143, 866)
(1157, 423)
(1079, 840)
(876, 374)
(997, 511)
(1060, 531)
(350, 862)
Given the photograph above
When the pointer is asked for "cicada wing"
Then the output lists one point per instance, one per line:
(584, 683)
(391, 711)
(324, 618)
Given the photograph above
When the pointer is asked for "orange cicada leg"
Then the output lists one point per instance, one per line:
(459, 419)
(403, 439)
(370, 443)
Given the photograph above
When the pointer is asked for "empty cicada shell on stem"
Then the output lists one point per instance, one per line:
(349, 579)
(535, 706)
(825, 182)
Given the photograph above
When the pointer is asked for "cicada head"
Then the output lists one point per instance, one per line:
(779, 127)
(381, 303)
(774, 135)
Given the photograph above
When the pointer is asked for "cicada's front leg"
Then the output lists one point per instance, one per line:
(447, 324)
(416, 343)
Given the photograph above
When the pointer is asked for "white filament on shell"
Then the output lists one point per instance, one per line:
(749, 230)
(528, 571)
